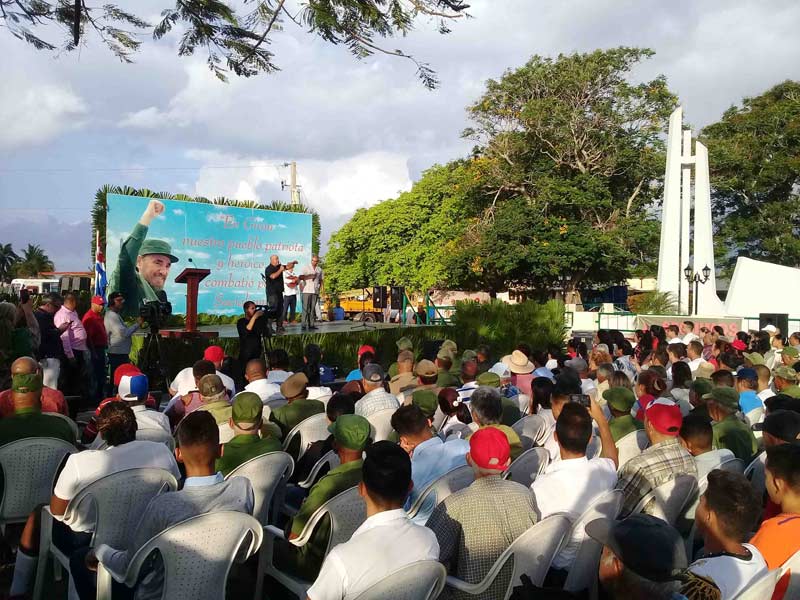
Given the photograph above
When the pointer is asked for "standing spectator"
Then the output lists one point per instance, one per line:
(273, 279)
(73, 338)
(51, 350)
(97, 341)
(386, 541)
(375, 397)
(727, 514)
(51, 400)
(245, 421)
(662, 461)
(119, 335)
(251, 328)
(729, 431)
(474, 526)
(697, 437)
(19, 330)
(311, 278)
(290, 281)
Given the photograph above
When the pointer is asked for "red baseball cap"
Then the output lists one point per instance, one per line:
(214, 354)
(365, 348)
(489, 449)
(739, 345)
(98, 300)
(665, 416)
(644, 402)
(123, 370)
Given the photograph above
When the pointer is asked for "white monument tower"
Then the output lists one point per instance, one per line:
(676, 228)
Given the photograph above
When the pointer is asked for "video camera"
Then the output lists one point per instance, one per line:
(269, 312)
(154, 312)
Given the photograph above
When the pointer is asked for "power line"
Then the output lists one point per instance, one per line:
(136, 169)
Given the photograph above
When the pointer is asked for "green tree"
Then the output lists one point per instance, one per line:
(754, 156)
(7, 259)
(570, 156)
(33, 261)
(235, 36)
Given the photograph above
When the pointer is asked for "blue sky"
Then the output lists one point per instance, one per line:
(231, 242)
(361, 131)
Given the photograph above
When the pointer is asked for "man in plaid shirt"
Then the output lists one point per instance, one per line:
(662, 461)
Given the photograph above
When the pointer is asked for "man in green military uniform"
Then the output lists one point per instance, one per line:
(299, 407)
(444, 364)
(729, 431)
(350, 436)
(214, 397)
(402, 344)
(785, 380)
(620, 401)
(246, 414)
(143, 265)
(28, 420)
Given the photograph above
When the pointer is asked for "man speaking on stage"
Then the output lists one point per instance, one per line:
(143, 265)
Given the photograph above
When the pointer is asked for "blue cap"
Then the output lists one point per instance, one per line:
(747, 373)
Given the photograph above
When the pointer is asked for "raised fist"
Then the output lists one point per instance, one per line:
(154, 208)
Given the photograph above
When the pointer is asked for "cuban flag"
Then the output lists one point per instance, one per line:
(100, 281)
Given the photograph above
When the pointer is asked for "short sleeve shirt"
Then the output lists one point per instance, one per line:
(242, 448)
(274, 286)
(737, 437)
(289, 415)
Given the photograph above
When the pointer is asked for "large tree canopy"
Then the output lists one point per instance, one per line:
(755, 173)
(234, 34)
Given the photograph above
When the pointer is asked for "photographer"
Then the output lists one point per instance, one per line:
(119, 335)
(273, 280)
(251, 327)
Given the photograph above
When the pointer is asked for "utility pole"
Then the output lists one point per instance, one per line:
(293, 187)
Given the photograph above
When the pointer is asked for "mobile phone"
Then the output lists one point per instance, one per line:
(581, 399)
(24, 296)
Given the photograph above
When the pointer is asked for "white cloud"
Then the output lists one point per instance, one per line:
(195, 253)
(37, 113)
(216, 217)
(178, 211)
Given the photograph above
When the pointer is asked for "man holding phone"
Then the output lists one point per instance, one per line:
(51, 350)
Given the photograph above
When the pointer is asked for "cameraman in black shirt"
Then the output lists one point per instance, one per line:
(251, 327)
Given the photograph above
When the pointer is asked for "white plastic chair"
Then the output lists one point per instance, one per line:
(380, 424)
(531, 554)
(792, 567)
(268, 475)
(457, 431)
(310, 430)
(531, 429)
(631, 445)
(762, 588)
(197, 554)
(156, 435)
(583, 571)
(439, 489)
(72, 424)
(755, 416)
(114, 504)
(331, 459)
(670, 498)
(422, 580)
(528, 465)
(29, 468)
(346, 511)
(524, 403)
(756, 474)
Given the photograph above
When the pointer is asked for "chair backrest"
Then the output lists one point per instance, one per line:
(528, 466)
(156, 435)
(310, 430)
(116, 503)
(380, 424)
(198, 554)
(524, 403)
(439, 489)
(733, 465)
(631, 445)
(531, 429)
(583, 570)
(458, 431)
(762, 587)
(331, 459)
(756, 474)
(670, 498)
(422, 580)
(754, 416)
(791, 568)
(73, 425)
(29, 468)
(347, 511)
(268, 474)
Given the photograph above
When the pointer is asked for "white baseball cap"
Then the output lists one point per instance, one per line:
(770, 329)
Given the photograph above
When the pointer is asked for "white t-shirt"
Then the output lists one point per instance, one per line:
(311, 286)
(570, 486)
(384, 543)
(695, 362)
(184, 382)
(708, 461)
(732, 574)
(689, 337)
(264, 389)
(150, 419)
(88, 466)
(765, 394)
(287, 277)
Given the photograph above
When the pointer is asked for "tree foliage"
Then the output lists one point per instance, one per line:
(7, 259)
(34, 260)
(754, 156)
(235, 36)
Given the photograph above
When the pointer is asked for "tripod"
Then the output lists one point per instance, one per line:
(364, 325)
(152, 362)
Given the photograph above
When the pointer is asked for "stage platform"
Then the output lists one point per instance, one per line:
(229, 331)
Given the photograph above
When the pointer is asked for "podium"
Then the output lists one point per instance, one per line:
(192, 278)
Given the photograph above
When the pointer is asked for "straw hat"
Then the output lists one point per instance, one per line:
(518, 363)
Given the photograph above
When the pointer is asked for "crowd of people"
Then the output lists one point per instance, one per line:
(701, 400)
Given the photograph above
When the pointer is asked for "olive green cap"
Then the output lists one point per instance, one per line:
(620, 398)
(469, 355)
(754, 357)
(157, 247)
(350, 431)
(426, 400)
(450, 345)
(791, 352)
(210, 386)
(25, 383)
(784, 372)
(425, 368)
(489, 378)
(404, 344)
(701, 386)
(445, 353)
(247, 408)
(724, 395)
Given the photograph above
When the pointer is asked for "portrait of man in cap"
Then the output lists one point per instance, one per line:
(143, 264)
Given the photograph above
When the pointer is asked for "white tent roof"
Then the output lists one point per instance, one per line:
(761, 287)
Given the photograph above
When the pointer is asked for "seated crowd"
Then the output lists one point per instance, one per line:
(535, 435)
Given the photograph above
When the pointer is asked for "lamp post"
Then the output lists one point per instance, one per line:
(697, 279)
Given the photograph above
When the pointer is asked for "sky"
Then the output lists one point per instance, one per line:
(360, 131)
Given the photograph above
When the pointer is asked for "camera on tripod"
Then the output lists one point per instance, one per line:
(269, 312)
(155, 312)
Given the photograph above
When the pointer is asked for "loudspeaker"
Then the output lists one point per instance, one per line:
(398, 291)
(430, 348)
(379, 297)
(779, 320)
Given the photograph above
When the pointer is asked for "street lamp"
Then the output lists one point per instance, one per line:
(697, 279)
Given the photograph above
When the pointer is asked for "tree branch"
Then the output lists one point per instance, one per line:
(264, 35)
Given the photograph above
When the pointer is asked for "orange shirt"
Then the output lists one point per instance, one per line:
(52, 401)
(778, 539)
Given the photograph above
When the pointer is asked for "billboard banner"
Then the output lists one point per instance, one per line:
(149, 243)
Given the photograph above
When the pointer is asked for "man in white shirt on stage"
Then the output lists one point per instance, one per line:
(311, 278)
(290, 282)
